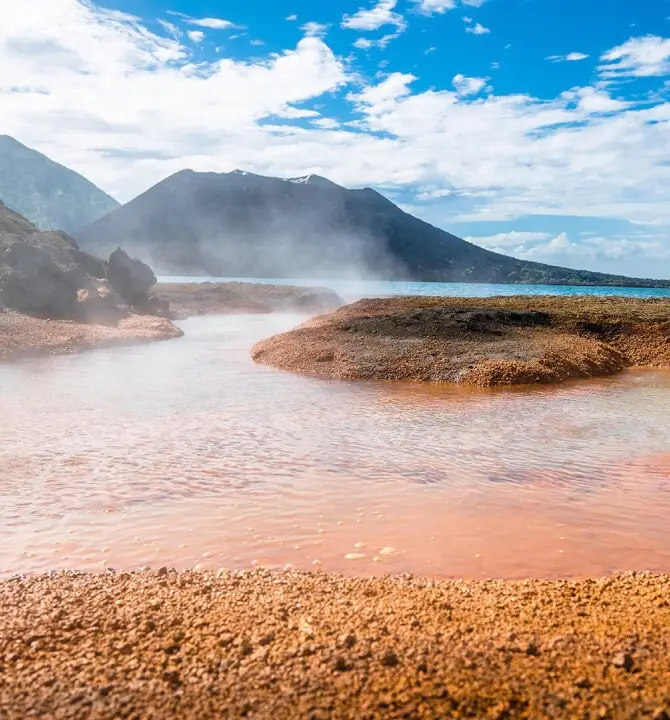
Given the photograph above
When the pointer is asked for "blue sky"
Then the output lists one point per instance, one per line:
(539, 128)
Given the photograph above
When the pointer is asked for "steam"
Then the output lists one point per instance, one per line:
(245, 226)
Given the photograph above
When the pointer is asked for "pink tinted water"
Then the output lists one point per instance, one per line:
(186, 453)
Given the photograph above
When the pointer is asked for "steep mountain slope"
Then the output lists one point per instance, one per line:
(48, 194)
(60, 247)
(245, 225)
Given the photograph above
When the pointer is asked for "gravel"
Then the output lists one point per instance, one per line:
(166, 644)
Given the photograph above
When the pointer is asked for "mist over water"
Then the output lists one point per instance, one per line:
(358, 286)
(186, 453)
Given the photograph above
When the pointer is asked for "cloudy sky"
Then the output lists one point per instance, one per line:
(539, 128)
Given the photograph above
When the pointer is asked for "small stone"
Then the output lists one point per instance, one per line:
(341, 664)
(163, 571)
(348, 640)
(389, 659)
(660, 714)
(623, 660)
(583, 683)
(267, 639)
(531, 649)
(354, 556)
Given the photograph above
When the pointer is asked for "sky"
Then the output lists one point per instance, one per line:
(537, 128)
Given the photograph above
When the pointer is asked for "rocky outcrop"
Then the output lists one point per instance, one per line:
(131, 278)
(476, 341)
(45, 274)
(55, 298)
(31, 282)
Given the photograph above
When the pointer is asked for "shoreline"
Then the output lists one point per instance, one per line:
(23, 336)
(261, 644)
(222, 298)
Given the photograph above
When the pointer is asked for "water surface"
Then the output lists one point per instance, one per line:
(185, 453)
(355, 289)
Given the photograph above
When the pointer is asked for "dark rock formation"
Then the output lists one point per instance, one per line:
(32, 283)
(45, 274)
(131, 278)
(244, 225)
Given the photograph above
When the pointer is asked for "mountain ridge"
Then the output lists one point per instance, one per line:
(48, 194)
(241, 224)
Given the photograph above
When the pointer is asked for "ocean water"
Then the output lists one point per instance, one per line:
(356, 289)
(187, 454)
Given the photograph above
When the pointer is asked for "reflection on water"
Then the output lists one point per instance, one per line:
(186, 453)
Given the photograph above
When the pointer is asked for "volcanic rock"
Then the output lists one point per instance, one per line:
(131, 278)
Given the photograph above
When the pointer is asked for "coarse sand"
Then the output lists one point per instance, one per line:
(476, 341)
(163, 644)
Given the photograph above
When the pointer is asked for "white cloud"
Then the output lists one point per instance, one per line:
(314, 29)
(467, 19)
(101, 93)
(509, 239)
(126, 107)
(469, 85)
(441, 6)
(478, 29)
(207, 22)
(366, 44)
(647, 56)
(326, 123)
(435, 6)
(591, 100)
(592, 250)
(292, 18)
(570, 57)
(197, 36)
(256, 43)
(375, 17)
(593, 247)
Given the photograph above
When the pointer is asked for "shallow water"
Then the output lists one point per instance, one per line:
(186, 453)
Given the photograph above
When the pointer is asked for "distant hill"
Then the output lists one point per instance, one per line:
(48, 194)
(243, 225)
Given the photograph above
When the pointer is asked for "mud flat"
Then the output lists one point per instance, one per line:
(476, 341)
(24, 336)
(163, 644)
(239, 297)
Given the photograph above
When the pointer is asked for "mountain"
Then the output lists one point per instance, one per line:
(243, 225)
(48, 194)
